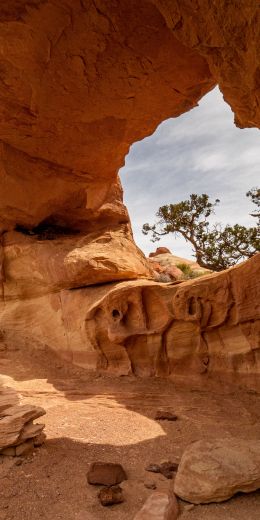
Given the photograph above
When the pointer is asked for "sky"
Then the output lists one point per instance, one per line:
(201, 151)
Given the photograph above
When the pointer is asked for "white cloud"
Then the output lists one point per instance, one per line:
(200, 152)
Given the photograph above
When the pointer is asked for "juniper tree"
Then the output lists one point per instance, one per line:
(215, 247)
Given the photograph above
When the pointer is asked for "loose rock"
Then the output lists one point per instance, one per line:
(39, 440)
(215, 471)
(16, 421)
(106, 474)
(159, 506)
(166, 468)
(109, 496)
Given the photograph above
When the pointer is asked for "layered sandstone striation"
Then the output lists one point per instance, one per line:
(17, 429)
(206, 325)
(80, 81)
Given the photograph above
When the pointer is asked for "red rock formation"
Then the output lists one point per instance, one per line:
(17, 430)
(210, 324)
(81, 81)
(160, 251)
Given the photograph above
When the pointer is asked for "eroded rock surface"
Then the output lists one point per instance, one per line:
(34, 267)
(80, 82)
(214, 471)
(210, 324)
(17, 429)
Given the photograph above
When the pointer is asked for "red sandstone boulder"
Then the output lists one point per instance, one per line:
(214, 471)
(106, 474)
(160, 251)
(159, 506)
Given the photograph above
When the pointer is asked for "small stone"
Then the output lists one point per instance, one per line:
(150, 484)
(106, 474)
(168, 468)
(162, 415)
(154, 468)
(39, 440)
(18, 462)
(109, 496)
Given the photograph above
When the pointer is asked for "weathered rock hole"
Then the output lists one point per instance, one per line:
(192, 306)
(115, 313)
(47, 230)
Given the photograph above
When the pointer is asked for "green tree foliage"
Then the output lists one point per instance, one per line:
(214, 247)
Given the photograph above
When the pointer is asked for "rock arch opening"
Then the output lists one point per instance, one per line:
(201, 151)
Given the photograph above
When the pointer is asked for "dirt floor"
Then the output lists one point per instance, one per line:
(91, 418)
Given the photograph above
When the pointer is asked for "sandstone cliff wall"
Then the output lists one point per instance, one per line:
(210, 324)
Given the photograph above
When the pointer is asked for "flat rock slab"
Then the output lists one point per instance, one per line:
(215, 471)
(159, 506)
(16, 421)
(106, 474)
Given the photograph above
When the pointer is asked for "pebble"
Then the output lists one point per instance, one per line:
(109, 496)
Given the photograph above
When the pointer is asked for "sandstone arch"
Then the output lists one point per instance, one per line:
(81, 80)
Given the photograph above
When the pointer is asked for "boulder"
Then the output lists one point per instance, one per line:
(159, 506)
(213, 471)
(106, 474)
(160, 251)
(164, 273)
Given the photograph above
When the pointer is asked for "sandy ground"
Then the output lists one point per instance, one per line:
(91, 418)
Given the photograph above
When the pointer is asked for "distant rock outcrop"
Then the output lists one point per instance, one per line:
(167, 267)
(160, 251)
